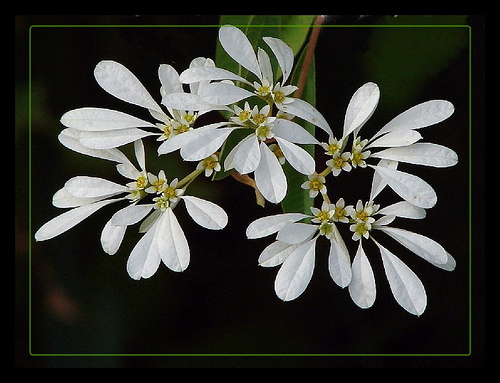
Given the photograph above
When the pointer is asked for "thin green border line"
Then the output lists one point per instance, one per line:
(247, 354)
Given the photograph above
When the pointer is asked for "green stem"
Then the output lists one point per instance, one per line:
(189, 178)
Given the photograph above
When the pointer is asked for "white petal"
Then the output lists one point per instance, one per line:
(378, 184)
(63, 199)
(403, 209)
(419, 244)
(171, 242)
(117, 80)
(169, 79)
(409, 187)
(112, 237)
(300, 160)
(407, 289)
(362, 288)
(265, 226)
(293, 233)
(237, 45)
(90, 187)
(293, 132)
(178, 141)
(221, 93)
(188, 101)
(339, 265)
(269, 176)
(296, 272)
(422, 115)
(284, 55)
(71, 139)
(67, 220)
(203, 144)
(246, 155)
(306, 111)
(112, 138)
(143, 261)
(265, 65)
(276, 253)
(130, 214)
(361, 107)
(421, 154)
(204, 73)
(206, 213)
(397, 138)
(140, 154)
(98, 119)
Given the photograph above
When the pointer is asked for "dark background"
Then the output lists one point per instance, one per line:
(83, 301)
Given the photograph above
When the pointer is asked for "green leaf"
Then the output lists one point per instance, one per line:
(403, 60)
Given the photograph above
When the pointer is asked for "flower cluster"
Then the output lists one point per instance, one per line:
(262, 118)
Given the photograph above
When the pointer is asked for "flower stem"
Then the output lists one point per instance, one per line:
(309, 55)
(189, 178)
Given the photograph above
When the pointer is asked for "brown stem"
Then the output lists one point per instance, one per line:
(247, 180)
(309, 54)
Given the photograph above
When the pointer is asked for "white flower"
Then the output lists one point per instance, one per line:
(238, 47)
(315, 185)
(295, 249)
(100, 128)
(399, 139)
(164, 238)
(405, 285)
(209, 165)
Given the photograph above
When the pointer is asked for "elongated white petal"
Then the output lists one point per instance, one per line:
(306, 111)
(296, 271)
(419, 244)
(266, 69)
(221, 93)
(276, 253)
(90, 187)
(297, 232)
(378, 184)
(406, 287)
(143, 260)
(421, 115)
(300, 160)
(112, 237)
(120, 82)
(394, 139)
(283, 53)
(71, 139)
(237, 45)
(423, 153)
(189, 101)
(339, 265)
(246, 156)
(171, 243)
(409, 187)
(449, 265)
(362, 288)
(203, 144)
(98, 119)
(270, 177)
(361, 107)
(262, 227)
(169, 79)
(206, 213)
(64, 199)
(131, 214)
(68, 219)
(404, 209)
(293, 132)
(112, 138)
(205, 73)
(178, 141)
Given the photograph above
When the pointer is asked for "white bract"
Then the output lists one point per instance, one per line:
(164, 239)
